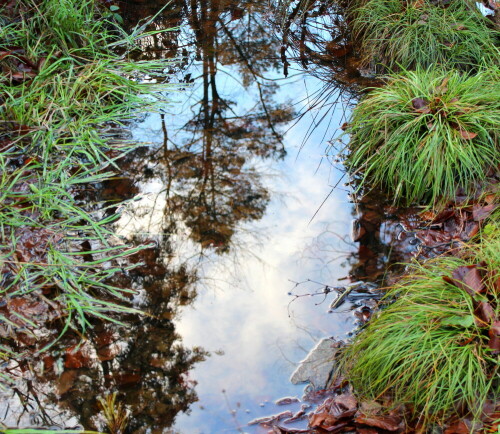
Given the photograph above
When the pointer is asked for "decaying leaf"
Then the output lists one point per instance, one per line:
(468, 278)
(420, 103)
(494, 335)
(467, 135)
(388, 423)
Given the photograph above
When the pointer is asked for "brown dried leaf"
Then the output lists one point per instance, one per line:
(485, 314)
(460, 427)
(77, 357)
(468, 277)
(467, 135)
(388, 423)
(66, 381)
(444, 215)
(442, 88)
(419, 103)
(494, 335)
(344, 405)
(479, 212)
(490, 198)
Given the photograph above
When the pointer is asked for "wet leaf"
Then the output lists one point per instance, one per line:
(123, 378)
(433, 237)
(287, 400)
(329, 415)
(66, 381)
(443, 216)
(479, 212)
(76, 358)
(467, 135)
(460, 427)
(420, 103)
(388, 423)
(494, 335)
(485, 314)
(344, 405)
(267, 420)
(468, 278)
(336, 50)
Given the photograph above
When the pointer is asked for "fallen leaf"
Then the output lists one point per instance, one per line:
(388, 423)
(66, 381)
(442, 88)
(287, 400)
(419, 103)
(344, 405)
(467, 135)
(494, 335)
(77, 357)
(479, 212)
(460, 427)
(485, 314)
(468, 278)
(490, 198)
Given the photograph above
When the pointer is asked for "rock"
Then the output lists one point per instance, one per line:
(317, 367)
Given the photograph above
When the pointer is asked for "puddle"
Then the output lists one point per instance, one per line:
(245, 242)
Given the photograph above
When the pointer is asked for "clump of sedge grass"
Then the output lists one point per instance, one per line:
(427, 132)
(430, 348)
(420, 33)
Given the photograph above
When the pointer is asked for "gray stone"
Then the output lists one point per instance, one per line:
(317, 367)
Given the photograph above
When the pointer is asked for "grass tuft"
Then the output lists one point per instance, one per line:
(428, 349)
(426, 133)
(418, 33)
(67, 79)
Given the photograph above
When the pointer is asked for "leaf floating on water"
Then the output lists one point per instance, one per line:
(287, 400)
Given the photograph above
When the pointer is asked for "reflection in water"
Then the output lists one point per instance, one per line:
(144, 361)
(194, 194)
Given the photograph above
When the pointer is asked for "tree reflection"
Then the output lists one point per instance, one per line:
(142, 359)
(209, 186)
(208, 175)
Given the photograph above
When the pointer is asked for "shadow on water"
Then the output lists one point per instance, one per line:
(192, 193)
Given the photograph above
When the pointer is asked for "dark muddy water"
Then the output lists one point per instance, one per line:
(237, 199)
